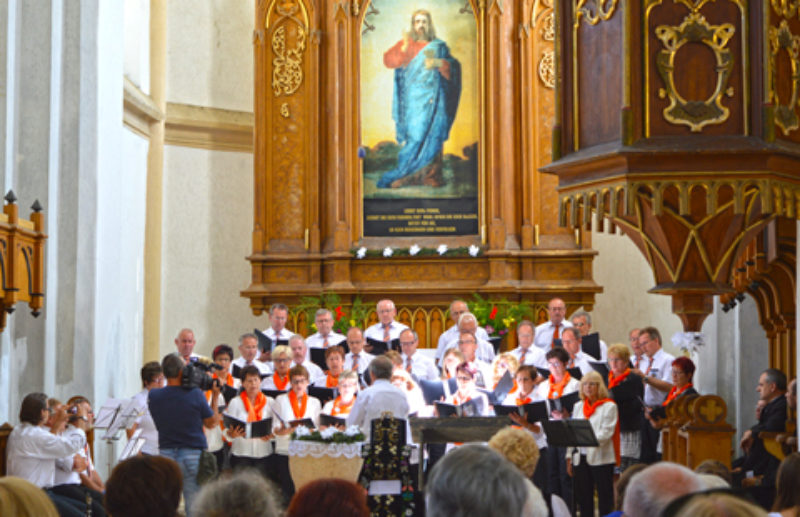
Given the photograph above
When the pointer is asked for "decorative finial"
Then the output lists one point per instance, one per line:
(11, 197)
(36, 206)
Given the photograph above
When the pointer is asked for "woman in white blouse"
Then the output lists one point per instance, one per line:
(341, 405)
(593, 467)
(250, 406)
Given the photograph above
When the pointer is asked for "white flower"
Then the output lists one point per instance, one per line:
(387, 251)
(413, 250)
(688, 341)
(442, 249)
(474, 250)
(353, 430)
(328, 433)
(361, 253)
(302, 431)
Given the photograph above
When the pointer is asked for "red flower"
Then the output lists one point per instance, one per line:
(493, 313)
(339, 313)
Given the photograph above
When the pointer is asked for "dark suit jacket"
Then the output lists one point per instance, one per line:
(773, 419)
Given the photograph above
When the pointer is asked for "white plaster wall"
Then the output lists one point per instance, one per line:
(137, 43)
(208, 220)
(625, 303)
(210, 53)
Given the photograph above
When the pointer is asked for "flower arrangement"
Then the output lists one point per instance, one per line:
(498, 317)
(352, 434)
(416, 251)
(344, 317)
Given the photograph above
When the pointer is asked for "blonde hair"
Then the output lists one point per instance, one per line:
(508, 357)
(719, 505)
(602, 391)
(517, 446)
(621, 351)
(281, 350)
(349, 374)
(22, 498)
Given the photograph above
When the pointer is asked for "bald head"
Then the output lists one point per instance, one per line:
(651, 490)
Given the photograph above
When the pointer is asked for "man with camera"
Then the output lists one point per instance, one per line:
(180, 411)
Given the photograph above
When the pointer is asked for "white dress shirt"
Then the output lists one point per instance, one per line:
(363, 361)
(146, 424)
(283, 407)
(603, 422)
(660, 367)
(249, 447)
(32, 451)
(264, 368)
(449, 339)
(317, 340)
(484, 352)
(284, 335)
(543, 390)
(543, 335)
(535, 396)
(422, 367)
(214, 434)
(371, 403)
(581, 361)
(376, 331)
(64, 474)
(534, 356)
(485, 377)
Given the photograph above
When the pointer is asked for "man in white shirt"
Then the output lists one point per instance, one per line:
(152, 378)
(387, 329)
(416, 364)
(449, 338)
(639, 358)
(32, 449)
(325, 336)
(469, 346)
(467, 322)
(656, 377)
(547, 332)
(248, 348)
(185, 343)
(299, 357)
(526, 353)
(356, 358)
(582, 321)
(571, 339)
(382, 396)
(277, 331)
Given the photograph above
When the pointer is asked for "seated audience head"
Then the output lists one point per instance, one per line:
(717, 502)
(152, 375)
(34, 409)
(381, 368)
(652, 489)
(716, 468)
(172, 364)
(517, 446)
(21, 498)
(771, 384)
(244, 494)
(330, 496)
(621, 486)
(475, 480)
(787, 484)
(682, 371)
(144, 485)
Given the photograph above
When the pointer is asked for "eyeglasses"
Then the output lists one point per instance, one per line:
(301, 380)
(555, 364)
(463, 378)
(407, 343)
(282, 360)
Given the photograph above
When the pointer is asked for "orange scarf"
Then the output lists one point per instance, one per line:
(229, 382)
(675, 393)
(298, 409)
(557, 388)
(280, 382)
(340, 408)
(522, 401)
(331, 382)
(588, 411)
(614, 381)
(457, 400)
(254, 411)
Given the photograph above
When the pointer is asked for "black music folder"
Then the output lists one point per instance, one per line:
(472, 407)
(533, 412)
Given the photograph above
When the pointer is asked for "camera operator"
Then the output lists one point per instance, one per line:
(180, 411)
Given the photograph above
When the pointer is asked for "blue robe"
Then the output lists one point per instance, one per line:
(423, 108)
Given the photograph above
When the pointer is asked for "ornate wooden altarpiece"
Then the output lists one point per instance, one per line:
(678, 124)
(309, 181)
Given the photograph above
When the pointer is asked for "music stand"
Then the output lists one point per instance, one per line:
(570, 433)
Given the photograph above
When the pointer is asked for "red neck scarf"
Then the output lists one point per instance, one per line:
(299, 409)
(331, 382)
(523, 399)
(254, 410)
(280, 382)
(588, 411)
(557, 388)
(675, 393)
(340, 408)
(614, 381)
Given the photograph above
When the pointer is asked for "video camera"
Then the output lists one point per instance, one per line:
(195, 374)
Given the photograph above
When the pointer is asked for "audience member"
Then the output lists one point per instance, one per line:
(621, 486)
(329, 498)
(787, 490)
(716, 468)
(144, 485)
(476, 480)
(21, 498)
(651, 490)
(713, 503)
(518, 447)
(244, 494)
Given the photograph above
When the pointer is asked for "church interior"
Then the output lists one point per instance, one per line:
(195, 162)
